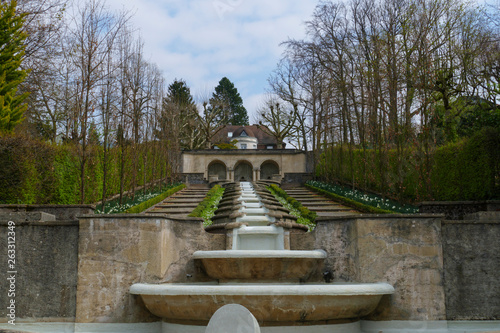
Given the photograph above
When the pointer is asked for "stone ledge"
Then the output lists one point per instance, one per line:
(58, 223)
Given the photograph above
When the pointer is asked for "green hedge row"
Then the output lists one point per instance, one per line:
(37, 172)
(207, 202)
(349, 202)
(465, 170)
(151, 202)
(304, 212)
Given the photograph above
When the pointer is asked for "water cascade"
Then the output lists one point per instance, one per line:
(260, 272)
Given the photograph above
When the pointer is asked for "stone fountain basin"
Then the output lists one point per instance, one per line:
(262, 265)
(269, 303)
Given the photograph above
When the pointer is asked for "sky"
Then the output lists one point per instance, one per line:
(202, 41)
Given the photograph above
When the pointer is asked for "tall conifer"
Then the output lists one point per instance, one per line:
(12, 46)
(227, 98)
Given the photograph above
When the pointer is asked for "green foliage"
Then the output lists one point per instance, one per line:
(11, 57)
(305, 215)
(36, 172)
(469, 169)
(231, 145)
(151, 202)
(465, 170)
(227, 98)
(208, 206)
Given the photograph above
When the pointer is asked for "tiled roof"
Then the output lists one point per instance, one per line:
(251, 130)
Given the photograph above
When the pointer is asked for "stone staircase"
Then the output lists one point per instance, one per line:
(182, 203)
(323, 206)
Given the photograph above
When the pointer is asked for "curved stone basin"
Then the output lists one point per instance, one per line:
(269, 303)
(277, 265)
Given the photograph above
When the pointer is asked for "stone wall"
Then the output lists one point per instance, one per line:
(404, 251)
(472, 268)
(119, 250)
(456, 210)
(46, 265)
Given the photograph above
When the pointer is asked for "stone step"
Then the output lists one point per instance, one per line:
(328, 208)
(171, 210)
(317, 203)
(170, 204)
(189, 196)
(335, 214)
(182, 200)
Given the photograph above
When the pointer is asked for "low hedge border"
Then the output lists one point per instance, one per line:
(305, 212)
(153, 201)
(349, 202)
(202, 206)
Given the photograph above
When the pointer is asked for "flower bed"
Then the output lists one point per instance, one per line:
(304, 215)
(369, 203)
(114, 207)
(208, 206)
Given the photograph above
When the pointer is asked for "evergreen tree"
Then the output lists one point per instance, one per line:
(11, 75)
(179, 118)
(228, 99)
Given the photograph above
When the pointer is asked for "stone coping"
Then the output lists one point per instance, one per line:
(57, 223)
(471, 222)
(243, 151)
(148, 216)
(379, 216)
(332, 289)
(314, 254)
(451, 203)
(45, 206)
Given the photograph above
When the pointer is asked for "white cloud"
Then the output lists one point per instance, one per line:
(202, 41)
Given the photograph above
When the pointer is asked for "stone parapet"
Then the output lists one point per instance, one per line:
(456, 210)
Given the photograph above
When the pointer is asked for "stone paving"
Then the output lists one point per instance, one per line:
(182, 203)
(322, 205)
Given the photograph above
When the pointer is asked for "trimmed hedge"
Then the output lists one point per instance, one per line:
(304, 211)
(349, 202)
(38, 172)
(465, 170)
(151, 202)
(206, 203)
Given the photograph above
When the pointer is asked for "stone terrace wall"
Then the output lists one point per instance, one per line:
(116, 251)
(402, 250)
(456, 210)
(471, 251)
(46, 264)
(61, 212)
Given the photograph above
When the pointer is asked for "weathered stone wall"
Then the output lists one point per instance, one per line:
(61, 212)
(194, 178)
(46, 265)
(456, 210)
(118, 251)
(472, 269)
(404, 251)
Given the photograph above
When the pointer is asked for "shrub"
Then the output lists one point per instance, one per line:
(304, 215)
(207, 207)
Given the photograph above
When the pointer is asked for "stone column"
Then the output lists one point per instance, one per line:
(230, 174)
(256, 173)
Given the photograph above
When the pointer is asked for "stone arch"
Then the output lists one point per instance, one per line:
(217, 168)
(243, 171)
(268, 169)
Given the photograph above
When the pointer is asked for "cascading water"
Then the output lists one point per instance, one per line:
(259, 271)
